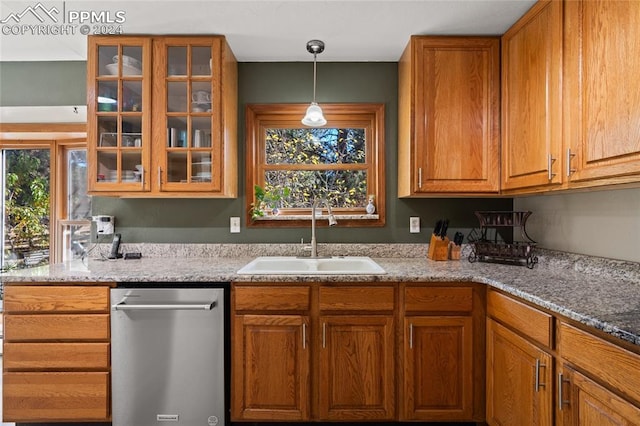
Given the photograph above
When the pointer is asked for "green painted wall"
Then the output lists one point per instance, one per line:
(207, 221)
(43, 83)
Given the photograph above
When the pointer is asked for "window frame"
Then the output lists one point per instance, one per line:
(58, 138)
(369, 116)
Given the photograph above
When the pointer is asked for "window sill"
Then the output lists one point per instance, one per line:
(293, 217)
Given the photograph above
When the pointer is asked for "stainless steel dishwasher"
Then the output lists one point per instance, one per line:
(168, 356)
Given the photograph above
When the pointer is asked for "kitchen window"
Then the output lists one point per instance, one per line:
(289, 165)
(45, 206)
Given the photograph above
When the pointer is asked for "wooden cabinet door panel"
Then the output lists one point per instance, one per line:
(55, 396)
(43, 299)
(357, 368)
(532, 98)
(616, 366)
(69, 356)
(438, 369)
(588, 403)
(602, 86)
(512, 395)
(360, 298)
(270, 372)
(457, 100)
(56, 327)
(438, 299)
(111, 153)
(531, 322)
(448, 116)
(272, 298)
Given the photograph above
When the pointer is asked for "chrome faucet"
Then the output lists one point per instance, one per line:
(332, 222)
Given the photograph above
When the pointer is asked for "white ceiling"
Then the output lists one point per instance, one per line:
(267, 30)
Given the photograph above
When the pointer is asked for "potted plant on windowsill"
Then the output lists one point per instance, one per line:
(266, 202)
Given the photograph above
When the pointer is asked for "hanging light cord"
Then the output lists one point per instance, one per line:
(314, 77)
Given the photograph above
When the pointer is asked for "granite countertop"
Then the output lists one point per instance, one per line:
(597, 292)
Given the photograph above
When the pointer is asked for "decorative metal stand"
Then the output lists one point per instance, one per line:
(487, 249)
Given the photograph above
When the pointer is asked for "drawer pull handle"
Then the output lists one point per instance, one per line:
(168, 307)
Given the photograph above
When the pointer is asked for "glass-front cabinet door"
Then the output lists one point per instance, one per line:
(119, 114)
(187, 97)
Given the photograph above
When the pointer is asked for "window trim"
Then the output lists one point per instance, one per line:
(57, 137)
(366, 115)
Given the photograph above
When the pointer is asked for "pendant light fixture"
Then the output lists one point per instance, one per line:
(314, 116)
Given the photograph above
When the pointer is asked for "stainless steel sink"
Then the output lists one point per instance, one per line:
(290, 265)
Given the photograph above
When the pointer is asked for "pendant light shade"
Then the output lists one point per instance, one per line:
(314, 116)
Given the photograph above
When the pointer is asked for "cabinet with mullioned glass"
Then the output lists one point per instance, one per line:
(162, 116)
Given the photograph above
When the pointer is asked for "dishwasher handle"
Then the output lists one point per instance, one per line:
(166, 307)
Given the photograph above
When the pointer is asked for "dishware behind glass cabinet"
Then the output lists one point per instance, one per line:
(201, 97)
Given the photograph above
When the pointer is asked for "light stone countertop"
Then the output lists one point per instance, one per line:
(597, 292)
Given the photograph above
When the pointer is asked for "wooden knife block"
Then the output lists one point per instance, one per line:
(438, 248)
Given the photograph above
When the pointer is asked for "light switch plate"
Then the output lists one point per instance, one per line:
(414, 225)
(234, 225)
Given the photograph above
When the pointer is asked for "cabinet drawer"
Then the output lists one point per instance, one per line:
(440, 299)
(357, 298)
(46, 356)
(55, 396)
(610, 363)
(35, 299)
(533, 323)
(56, 327)
(271, 298)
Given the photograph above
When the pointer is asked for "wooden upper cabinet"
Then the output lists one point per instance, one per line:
(448, 121)
(119, 73)
(532, 154)
(602, 119)
(162, 116)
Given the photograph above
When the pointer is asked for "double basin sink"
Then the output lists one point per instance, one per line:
(291, 265)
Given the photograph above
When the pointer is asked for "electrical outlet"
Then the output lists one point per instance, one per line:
(234, 225)
(414, 225)
(104, 224)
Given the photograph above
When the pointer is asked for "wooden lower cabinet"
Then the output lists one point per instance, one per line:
(338, 352)
(56, 396)
(56, 364)
(519, 379)
(271, 367)
(585, 402)
(313, 352)
(438, 368)
(599, 386)
(442, 352)
(270, 364)
(357, 369)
